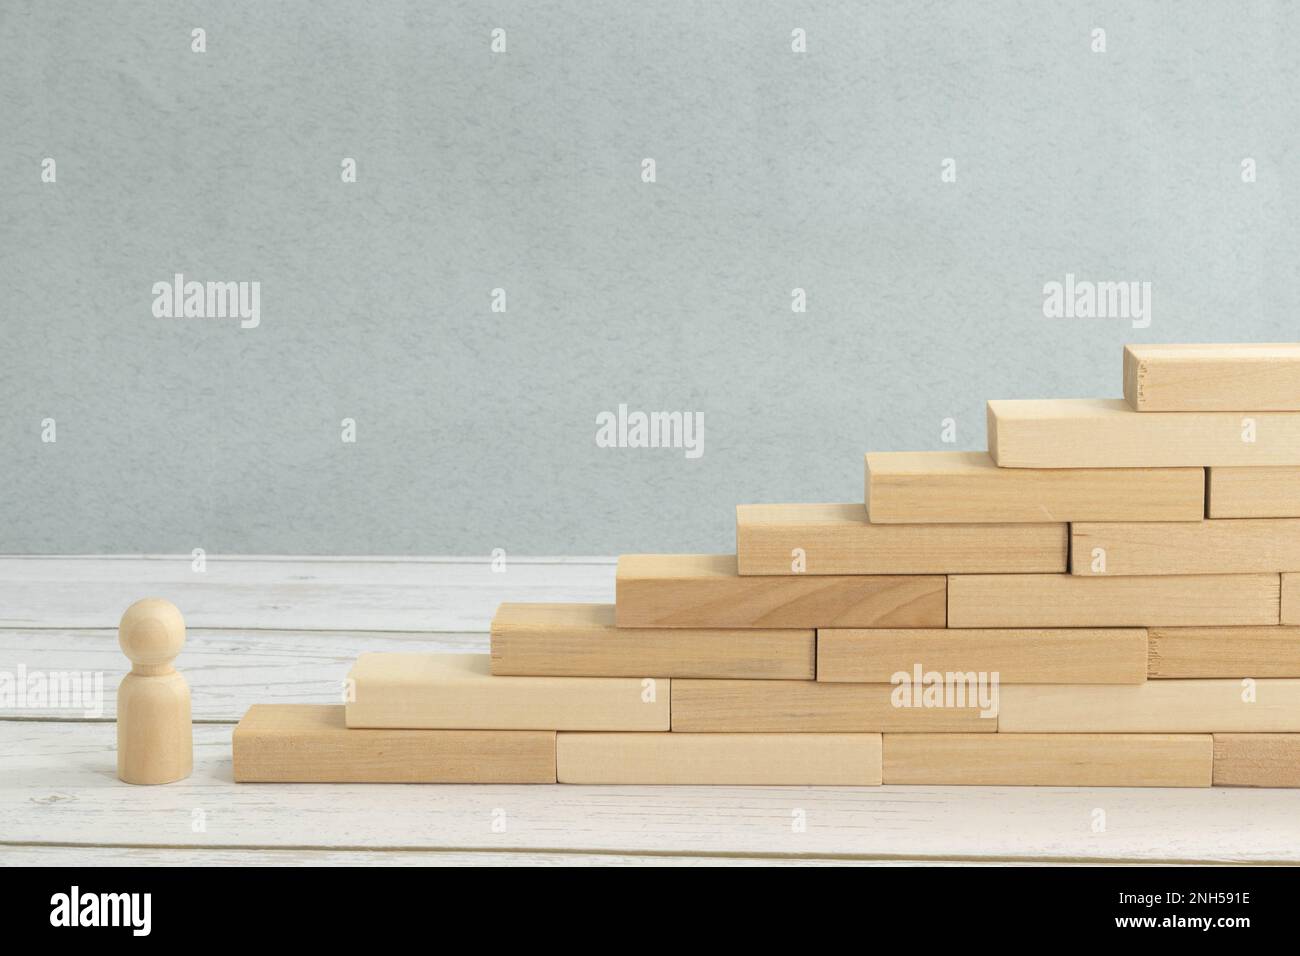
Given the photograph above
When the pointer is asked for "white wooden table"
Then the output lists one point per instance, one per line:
(285, 630)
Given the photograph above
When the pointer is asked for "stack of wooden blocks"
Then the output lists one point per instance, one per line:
(1101, 599)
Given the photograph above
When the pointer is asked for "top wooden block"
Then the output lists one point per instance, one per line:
(1212, 378)
(838, 539)
(1107, 433)
(967, 487)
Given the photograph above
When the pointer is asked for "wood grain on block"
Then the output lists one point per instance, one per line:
(1107, 433)
(744, 706)
(307, 743)
(1207, 378)
(1156, 707)
(1026, 656)
(777, 760)
(1213, 546)
(838, 539)
(1181, 652)
(1257, 760)
(1067, 600)
(1269, 492)
(706, 590)
(580, 640)
(458, 692)
(967, 487)
(1049, 760)
(1291, 599)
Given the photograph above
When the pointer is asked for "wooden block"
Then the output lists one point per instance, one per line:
(305, 743)
(1049, 760)
(580, 640)
(1156, 707)
(706, 590)
(1257, 760)
(1215, 546)
(1207, 378)
(458, 692)
(838, 539)
(777, 760)
(1029, 656)
(967, 487)
(1181, 652)
(1106, 433)
(798, 707)
(1067, 600)
(1291, 599)
(1272, 492)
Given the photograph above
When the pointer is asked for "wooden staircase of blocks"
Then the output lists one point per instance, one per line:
(1109, 596)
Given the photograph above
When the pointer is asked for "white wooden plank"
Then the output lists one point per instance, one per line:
(28, 855)
(353, 594)
(327, 558)
(228, 671)
(57, 785)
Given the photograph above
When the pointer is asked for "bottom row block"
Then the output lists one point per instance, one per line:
(307, 743)
(1050, 760)
(776, 760)
(312, 744)
(1026, 760)
(1257, 760)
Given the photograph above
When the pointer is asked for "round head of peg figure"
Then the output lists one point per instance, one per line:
(152, 632)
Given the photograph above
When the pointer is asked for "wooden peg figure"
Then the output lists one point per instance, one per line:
(155, 739)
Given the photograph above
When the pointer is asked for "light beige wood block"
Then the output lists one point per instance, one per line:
(838, 539)
(707, 590)
(796, 707)
(1107, 433)
(1269, 492)
(1025, 656)
(777, 760)
(967, 487)
(1291, 599)
(306, 743)
(1067, 600)
(459, 692)
(1156, 707)
(580, 640)
(1182, 652)
(1257, 760)
(1207, 378)
(1216, 546)
(1049, 760)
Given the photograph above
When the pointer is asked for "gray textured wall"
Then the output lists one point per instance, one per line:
(522, 170)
